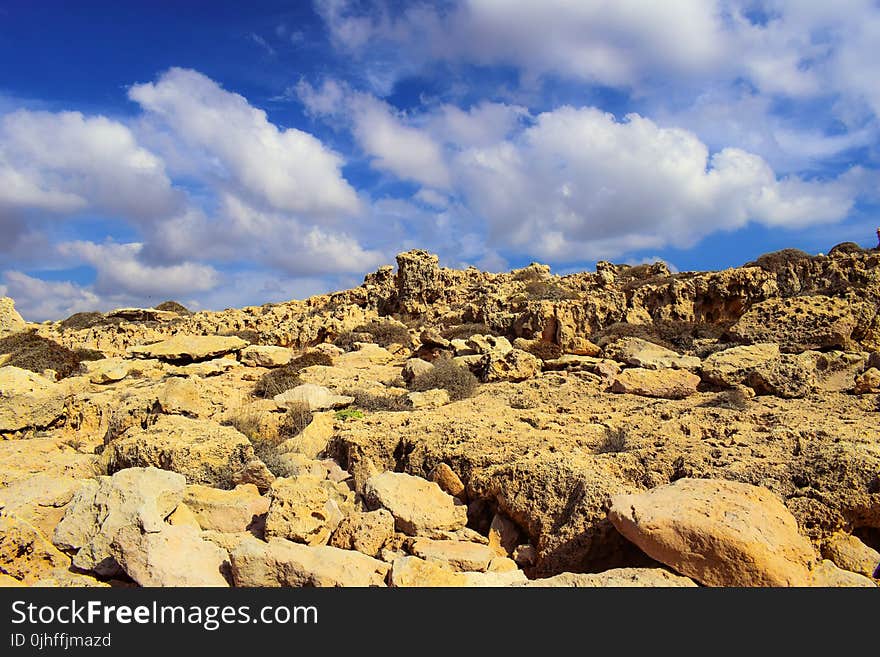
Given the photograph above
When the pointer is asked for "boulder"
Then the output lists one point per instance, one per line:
(225, 510)
(666, 384)
(493, 345)
(183, 516)
(788, 377)
(503, 535)
(734, 366)
(106, 370)
(432, 339)
(307, 509)
(39, 500)
(188, 348)
(284, 563)
(641, 353)
(184, 396)
(203, 451)
(581, 347)
(617, 577)
(265, 356)
(10, 321)
(364, 532)
(429, 399)
(849, 553)
(22, 459)
(720, 533)
(28, 400)
(411, 571)
(417, 280)
(415, 367)
(826, 574)
(449, 482)
(797, 324)
(312, 440)
(458, 555)
(25, 552)
(317, 397)
(512, 365)
(138, 497)
(173, 556)
(415, 503)
(868, 382)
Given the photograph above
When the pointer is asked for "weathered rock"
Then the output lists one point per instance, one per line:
(581, 347)
(7, 581)
(720, 533)
(787, 377)
(39, 500)
(28, 400)
(284, 563)
(364, 532)
(25, 553)
(417, 273)
(207, 368)
(459, 555)
(317, 397)
(10, 321)
(312, 440)
(22, 459)
(849, 553)
(798, 323)
(834, 371)
(617, 577)
(265, 356)
(225, 510)
(415, 503)
(493, 345)
(307, 510)
(502, 565)
(138, 497)
(143, 315)
(107, 370)
(184, 396)
(432, 338)
(204, 452)
(173, 556)
(513, 365)
(415, 367)
(413, 571)
(826, 574)
(525, 555)
(428, 399)
(503, 535)
(641, 353)
(449, 482)
(183, 516)
(868, 382)
(187, 348)
(667, 384)
(65, 578)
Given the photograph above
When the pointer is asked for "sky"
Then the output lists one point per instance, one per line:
(225, 154)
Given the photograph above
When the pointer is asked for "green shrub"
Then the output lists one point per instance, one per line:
(448, 375)
(30, 351)
(174, 307)
(349, 414)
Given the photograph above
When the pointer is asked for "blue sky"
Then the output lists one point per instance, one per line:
(227, 154)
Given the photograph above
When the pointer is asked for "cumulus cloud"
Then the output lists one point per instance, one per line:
(38, 300)
(285, 169)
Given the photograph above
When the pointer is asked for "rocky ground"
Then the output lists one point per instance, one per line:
(436, 427)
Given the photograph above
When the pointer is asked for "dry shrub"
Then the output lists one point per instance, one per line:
(548, 291)
(626, 330)
(527, 274)
(174, 307)
(369, 401)
(386, 333)
(297, 417)
(778, 260)
(30, 351)
(276, 381)
(246, 421)
(87, 320)
(448, 375)
(615, 441)
(346, 339)
(309, 359)
(544, 350)
(845, 248)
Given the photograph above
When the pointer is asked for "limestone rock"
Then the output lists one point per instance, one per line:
(459, 555)
(317, 397)
(641, 353)
(720, 533)
(493, 345)
(826, 574)
(39, 499)
(306, 509)
(173, 556)
(415, 503)
(184, 396)
(449, 482)
(431, 338)
(734, 366)
(417, 284)
(428, 399)
(415, 367)
(204, 452)
(265, 356)
(412, 571)
(25, 553)
(107, 370)
(284, 563)
(849, 553)
(868, 382)
(581, 347)
(667, 384)
(28, 400)
(225, 510)
(312, 440)
(21, 459)
(207, 368)
(525, 555)
(188, 348)
(617, 577)
(798, 323)
(503, 535)
(513, 365)
(183, 516)
(10, 321)
(139, 497)
(787, 377)
(364, 532)
(143, 315)
(64, 578)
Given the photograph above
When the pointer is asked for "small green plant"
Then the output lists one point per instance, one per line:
(456, 379)
(616, 440)
(349, 414)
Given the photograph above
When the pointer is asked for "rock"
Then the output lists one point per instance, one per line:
(143, 315)
(833, 371)
(459, 555)
(183, 517)
(513, 365)
(25, 553)
(317, 397)
(797, 324)
(449, 482)
(284, 563)
(868, 382)
(581, 347)
(204, 452)
(39, 500)
(787, 377)
(107, 370)
(7, 581)
(720, 533)
(312, 440)
(641, 353)
(493, 345)
(734, 366)
(667, 384)
(503, 535)
(826, 574)
(762, 368)
(417, 284)
(138, 497)
(428, 399)
(415, 503)
(849, 553)
(462, 348)
(415, 367)
(184, 396)
(412, 571)
(432, 339)
(10, 321)
(525, 555)
(307, 510)
(22, 459)
(173, 556)
(187, 348)
(64, 578)
(265, 356)
(225, 510)
(364, 532)
(208, 367)
(617, 577)
(28, 400)
(502, 565)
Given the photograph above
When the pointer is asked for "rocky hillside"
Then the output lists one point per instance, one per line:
(438, 427)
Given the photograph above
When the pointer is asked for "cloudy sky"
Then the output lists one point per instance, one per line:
(229, 153)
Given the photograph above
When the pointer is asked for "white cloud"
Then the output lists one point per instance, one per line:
(285, 169)
(38, 300)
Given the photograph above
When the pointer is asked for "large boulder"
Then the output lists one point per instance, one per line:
(10, 321)
(283, 563)
(25, 552)
(265, 356)
(734, 366)
(138, 497)
(39, 500)
(189, 348)
(204, 452)
(720, 533)
(314, 439)
(225, 510)
(797, 324)
(849, 553)
(641, 353)
(667, 384)
(364, 532)
(416, 504)
(762, 368)
(28, 400)
(318, 398)
(417, 280)
(513, 365)
(307, 509)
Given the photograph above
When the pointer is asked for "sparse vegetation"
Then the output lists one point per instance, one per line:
(349, 414)
(527, 274)
(735, 399)
(548, 291)
(778, 260)
(372, 402)
(616, 440)
(464, 331)
(30, 351)
(246, 421)
(346, 339)
(276, 381)
(295, 420)
(310, 358)
(386, 333)
(87, 320)
(456, 379)
(544, 350)
(174, 307)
